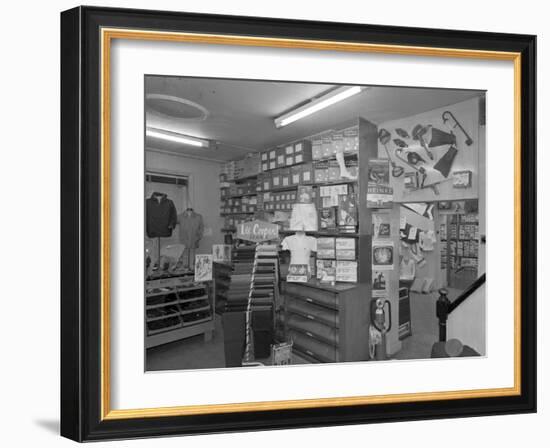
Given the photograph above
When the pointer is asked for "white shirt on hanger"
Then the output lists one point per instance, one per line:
(300, 247)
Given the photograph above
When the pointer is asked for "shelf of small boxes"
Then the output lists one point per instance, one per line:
(308, 162)
(237, 198)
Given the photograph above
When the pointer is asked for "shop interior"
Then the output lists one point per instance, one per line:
(300, 223)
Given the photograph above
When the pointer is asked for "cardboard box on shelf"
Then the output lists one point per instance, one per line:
(285, 177)
(302, 151)
(345, 249)
(296, 175)
(327, 146)
(317, 149)
(280, 157)
(333, 171)
(272, 164)
(326, 248)
(289, 150)
(346, 271)
(321, 171)
(326, 270)
(267, 181)
(351, 139)
(337, 141)
(307, 175)
(276, 178)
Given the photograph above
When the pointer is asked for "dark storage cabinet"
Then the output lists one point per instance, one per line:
(327, 323)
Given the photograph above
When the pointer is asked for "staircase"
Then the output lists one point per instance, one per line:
(464, 318)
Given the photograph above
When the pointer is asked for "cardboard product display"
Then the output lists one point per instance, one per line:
(298, 273)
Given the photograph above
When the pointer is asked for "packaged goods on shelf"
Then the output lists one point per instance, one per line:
(326, 248)
(321, 171)
(327, 218)
(285, 177)
(307, 174)
(351, 140)
(346, 271)
(302, 151)
(296, 175)
(317, 149)
(347, 212)
(326, 270)
(345, 249)
(333, 173)
(280, 153)
(328, 150)
(337, 141)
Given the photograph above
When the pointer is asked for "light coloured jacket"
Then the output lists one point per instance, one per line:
(191, 229)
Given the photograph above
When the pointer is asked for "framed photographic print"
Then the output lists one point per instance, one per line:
(186, 133)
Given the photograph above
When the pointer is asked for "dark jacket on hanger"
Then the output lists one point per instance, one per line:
(191, 229)
(161, 216)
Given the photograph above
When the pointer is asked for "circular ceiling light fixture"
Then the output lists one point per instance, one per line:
(175, 107)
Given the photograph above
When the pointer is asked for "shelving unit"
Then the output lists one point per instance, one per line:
(339, 330)
(177, 308)
(459, 235)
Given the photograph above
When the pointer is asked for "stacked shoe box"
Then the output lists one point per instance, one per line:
(262, 296)
(239, 287)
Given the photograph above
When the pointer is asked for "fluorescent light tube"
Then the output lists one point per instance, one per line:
(333, 97)
(178, 138)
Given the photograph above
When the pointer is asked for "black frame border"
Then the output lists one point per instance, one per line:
(81, 223)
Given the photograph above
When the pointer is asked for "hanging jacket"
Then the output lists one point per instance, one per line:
(191, 229)
(161, 216)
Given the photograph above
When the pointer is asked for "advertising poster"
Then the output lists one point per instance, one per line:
(379, 284)
(379, 191)
(381, 226)
(203, 267)
(382, 255)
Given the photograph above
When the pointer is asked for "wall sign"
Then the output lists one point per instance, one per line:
(257, 231)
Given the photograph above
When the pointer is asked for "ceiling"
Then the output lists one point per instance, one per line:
(237, 115)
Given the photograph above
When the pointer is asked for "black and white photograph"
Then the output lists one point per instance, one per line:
(292, 223)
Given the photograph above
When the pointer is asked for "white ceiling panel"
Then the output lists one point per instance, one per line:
(239, 113)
